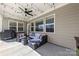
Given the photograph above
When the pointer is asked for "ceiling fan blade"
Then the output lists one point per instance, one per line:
(26, 12)
(30, 11)
(30, 14)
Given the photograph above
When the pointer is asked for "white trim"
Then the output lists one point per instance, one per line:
(54, 23)
(44, 27)
(1, 19)
(17, 26)
(27, 29)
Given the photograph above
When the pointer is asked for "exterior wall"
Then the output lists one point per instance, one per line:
(5, 22)
(66, 26)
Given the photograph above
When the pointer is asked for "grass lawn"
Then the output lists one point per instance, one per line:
(77, 52)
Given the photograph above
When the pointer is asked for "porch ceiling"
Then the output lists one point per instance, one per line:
(12, 10)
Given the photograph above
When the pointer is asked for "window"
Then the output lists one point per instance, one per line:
(16, 26)
(50, 25)
(47, 25)
(20, 27)
(39, 26)
(32, 26)
(12, 26)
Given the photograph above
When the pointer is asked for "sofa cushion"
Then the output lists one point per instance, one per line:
(32, 34)
(35, 39)
(37, 35)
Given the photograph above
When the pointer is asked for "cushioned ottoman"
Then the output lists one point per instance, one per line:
(33, 45)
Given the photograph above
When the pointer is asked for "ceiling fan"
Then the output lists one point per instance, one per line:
(26, 11)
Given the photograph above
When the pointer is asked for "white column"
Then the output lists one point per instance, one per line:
(1, 22)
(44, 28)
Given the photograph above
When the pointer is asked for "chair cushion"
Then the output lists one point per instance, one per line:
(36, 40)
(37, 35)
(32, 34)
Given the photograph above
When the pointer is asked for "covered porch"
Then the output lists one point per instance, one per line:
(60, 22)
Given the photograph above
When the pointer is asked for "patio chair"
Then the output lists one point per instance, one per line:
(22, 38)
(35, 40)
(8, 34)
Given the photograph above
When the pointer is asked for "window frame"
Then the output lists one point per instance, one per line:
(20, 26)
(44, 22)
(49, 17)
(16, 25)
(39, 21)
(10, 22)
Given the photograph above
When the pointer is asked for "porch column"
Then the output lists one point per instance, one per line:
(1, 23)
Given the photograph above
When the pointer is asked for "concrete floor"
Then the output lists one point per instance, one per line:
(16, 49)
(10, 48)
(49, 49)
